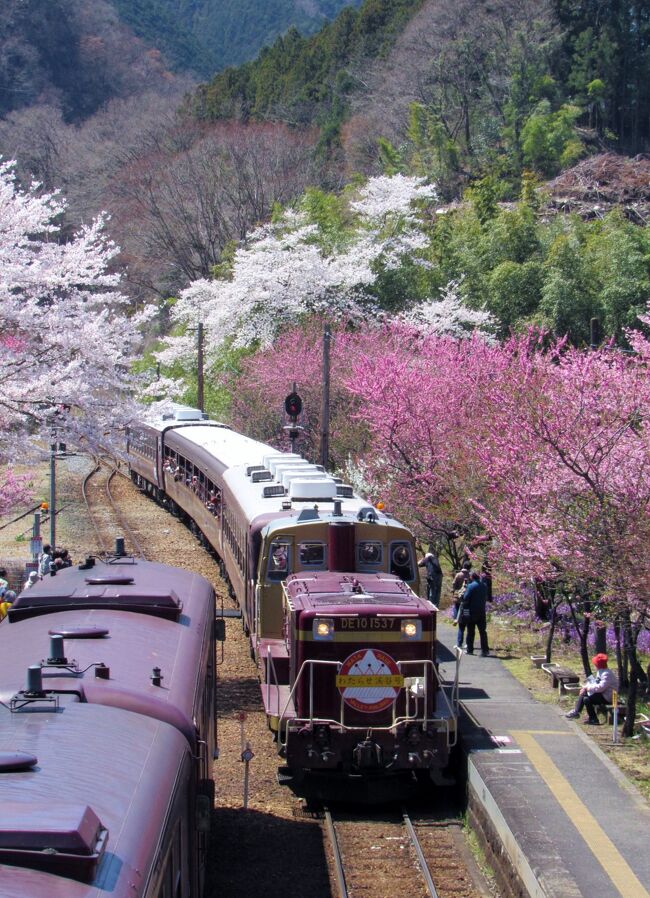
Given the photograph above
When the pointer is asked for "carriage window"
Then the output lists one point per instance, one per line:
(369, 554)
(279, 561)
(311, 554)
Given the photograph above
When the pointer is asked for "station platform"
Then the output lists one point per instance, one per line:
(559, 818)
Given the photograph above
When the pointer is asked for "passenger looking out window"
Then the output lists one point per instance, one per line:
(278, 567)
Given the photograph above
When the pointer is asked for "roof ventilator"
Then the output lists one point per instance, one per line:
(34, 692)
(258, 476)
(344, 490)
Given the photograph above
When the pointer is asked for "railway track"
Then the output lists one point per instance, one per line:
(388, 855)
(108, 522)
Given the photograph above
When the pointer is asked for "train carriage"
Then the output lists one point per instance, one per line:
(122, 646)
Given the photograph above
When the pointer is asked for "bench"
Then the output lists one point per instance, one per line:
(562, 678)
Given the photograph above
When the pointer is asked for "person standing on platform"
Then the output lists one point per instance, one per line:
(596, 691)
(45, 559)
(473, 606)
(434, 576)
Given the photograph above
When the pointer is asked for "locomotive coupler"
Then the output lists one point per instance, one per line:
(367, 754)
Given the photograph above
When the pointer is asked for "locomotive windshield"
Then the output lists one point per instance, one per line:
(312, 555)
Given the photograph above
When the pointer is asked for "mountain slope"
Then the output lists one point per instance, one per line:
(208, 35)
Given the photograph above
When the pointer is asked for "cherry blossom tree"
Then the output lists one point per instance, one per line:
(66, 339)
(302, 264)
(423, 398)
(567, 458)
(291, 268)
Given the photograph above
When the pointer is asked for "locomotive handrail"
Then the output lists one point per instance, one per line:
(458, 652)
(311, 663)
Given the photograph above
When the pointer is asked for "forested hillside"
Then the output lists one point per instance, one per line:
(307, 79)
(208, 35)
(74, 54)
(495, 86)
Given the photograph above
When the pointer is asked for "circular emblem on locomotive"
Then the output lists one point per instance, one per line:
(369, 681)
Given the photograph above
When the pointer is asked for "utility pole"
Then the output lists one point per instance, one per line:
(594, 333)
(325, 410)
(199, 377)
(53, 448)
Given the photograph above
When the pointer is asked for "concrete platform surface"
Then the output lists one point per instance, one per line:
(571, 823)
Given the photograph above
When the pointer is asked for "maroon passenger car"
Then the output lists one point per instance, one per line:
(109, 680)
(356, 686)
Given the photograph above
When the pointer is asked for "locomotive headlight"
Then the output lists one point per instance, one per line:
(323, 628)
(411, 629)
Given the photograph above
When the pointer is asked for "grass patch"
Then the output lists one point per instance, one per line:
(480, 858)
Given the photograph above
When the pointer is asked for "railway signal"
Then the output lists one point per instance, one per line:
(293, 405)
(293, 408)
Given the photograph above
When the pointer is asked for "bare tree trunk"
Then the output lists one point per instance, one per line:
(630, 636)
(620, 662)
(582, 629)
(551, 631)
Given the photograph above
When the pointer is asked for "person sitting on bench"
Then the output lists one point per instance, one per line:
(596, 691)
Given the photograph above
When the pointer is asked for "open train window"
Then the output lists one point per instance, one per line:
(312, 555)
(370, 555)
(279, 561)
(401, 560)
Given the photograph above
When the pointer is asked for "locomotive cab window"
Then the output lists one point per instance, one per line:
(370, 555)
(279, 561)
(312, 555)
(401, 561)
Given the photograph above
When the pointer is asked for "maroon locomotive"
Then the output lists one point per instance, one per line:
(353, 687)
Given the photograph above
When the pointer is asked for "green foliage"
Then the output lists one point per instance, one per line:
(606, 65)
(330, 213)
(549, 140)
(391, 160)
(558, 273)
(435, 154)
(514, 291)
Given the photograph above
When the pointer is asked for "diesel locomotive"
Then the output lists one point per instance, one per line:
(107, 733)
(328, 588)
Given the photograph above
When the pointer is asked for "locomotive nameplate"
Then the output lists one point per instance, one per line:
(369, 680)
(368, 623)
(342, 682)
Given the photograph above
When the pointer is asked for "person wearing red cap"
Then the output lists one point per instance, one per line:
(596, 691)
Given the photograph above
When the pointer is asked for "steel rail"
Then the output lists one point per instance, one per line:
(424, 869)
(123, 522)
(84, 493)
(338, 863)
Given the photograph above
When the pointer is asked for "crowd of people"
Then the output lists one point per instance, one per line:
(211, 499)
(472, 591)
(6, 595)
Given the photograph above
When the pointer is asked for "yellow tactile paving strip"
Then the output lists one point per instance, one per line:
(602, 847)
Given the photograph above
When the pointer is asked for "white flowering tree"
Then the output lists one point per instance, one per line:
(447, 316)
(65, 338)
(286, 270)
